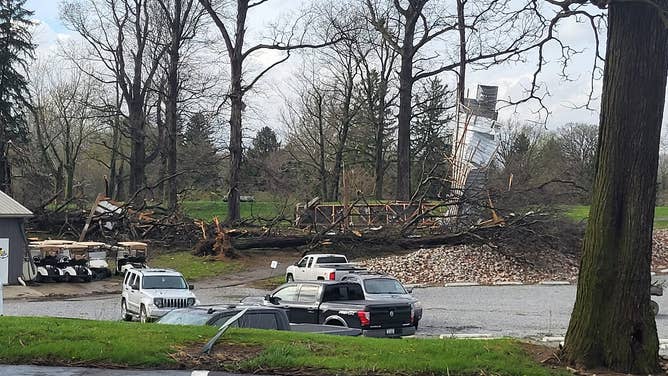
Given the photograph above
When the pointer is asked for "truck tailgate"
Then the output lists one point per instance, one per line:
(389, 315)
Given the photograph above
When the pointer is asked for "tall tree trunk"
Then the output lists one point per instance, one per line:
(69, 181)
(138, 148)
(172, 120)
(379, 158)
(406, 81)
(172, 102)
(236, 96)
(321, 153)
(343, 135)
(612, 324)
(5, 170)
(461, 24)
(404, 123)
(116, 145)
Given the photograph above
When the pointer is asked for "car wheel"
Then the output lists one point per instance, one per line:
(289, 278)
(143, 317)
(125, 316)
(655, 307)
(65, 277)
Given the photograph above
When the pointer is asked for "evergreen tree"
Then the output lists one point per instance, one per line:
(199, 157)
(430, 140)
(16, 48)
(264, 145)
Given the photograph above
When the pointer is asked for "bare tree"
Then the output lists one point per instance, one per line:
(64, 120)
(234, 36)
(183, 19)
(413, 26)
(124, 37)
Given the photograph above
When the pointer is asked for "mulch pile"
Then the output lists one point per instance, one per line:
(488, 264)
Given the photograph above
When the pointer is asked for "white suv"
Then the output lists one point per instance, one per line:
(150, 293)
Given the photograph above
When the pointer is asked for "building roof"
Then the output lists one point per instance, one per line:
(10, 208)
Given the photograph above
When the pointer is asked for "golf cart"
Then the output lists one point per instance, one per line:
(73, 256)
(131, 255)
(45, 258)
(97, 259)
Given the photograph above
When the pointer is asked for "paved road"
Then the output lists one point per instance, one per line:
(518, 311)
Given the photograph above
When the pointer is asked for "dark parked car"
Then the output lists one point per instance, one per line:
(258, 317)
(383, 287)
(343, 303)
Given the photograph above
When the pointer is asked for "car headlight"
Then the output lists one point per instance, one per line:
(158, 302)
(417, 305)
(191, 301)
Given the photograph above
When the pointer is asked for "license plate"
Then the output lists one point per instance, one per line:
(389, 331)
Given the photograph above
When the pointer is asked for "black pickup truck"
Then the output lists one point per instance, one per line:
(342, 303)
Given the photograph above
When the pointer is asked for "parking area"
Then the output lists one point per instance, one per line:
(517, 311)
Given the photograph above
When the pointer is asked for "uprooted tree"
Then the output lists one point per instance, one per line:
(612, 325)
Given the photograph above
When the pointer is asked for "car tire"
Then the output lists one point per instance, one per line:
(65, 277)
(143, 316)
(655, 307)
(125, 316)
(289, 278)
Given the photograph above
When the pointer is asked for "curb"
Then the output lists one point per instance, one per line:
(481, 336)
(508, 283)
(503, 283)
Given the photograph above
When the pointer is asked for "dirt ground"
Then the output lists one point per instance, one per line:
(549, 356)
(256, 267)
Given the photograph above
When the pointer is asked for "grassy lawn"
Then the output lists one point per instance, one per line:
(581, 212)
(194, 267)
(83, 342)
(70, 341)
(206, 210)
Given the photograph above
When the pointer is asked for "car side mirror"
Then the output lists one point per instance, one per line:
(410, 290)
(135, 287)
(191, 287)
(272, 299)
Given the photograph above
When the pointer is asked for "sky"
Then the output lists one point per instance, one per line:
(511, 78)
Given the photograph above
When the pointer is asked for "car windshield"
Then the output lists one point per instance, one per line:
(192, 317)
(164, 282)
(383, 286)
(332, 260)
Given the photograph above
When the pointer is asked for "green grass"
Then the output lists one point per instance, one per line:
(82, 342)
(71, 341)
(581, 212)
(206, 210)
(195, 267)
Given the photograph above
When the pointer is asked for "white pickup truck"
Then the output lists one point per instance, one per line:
(328, 267)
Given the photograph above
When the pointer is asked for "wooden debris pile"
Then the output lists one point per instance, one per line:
(112, 222)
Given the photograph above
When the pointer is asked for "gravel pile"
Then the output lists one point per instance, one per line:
(479, 264)
(487, 265)
(660, 250)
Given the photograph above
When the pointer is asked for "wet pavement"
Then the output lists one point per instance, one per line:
(517, 311)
